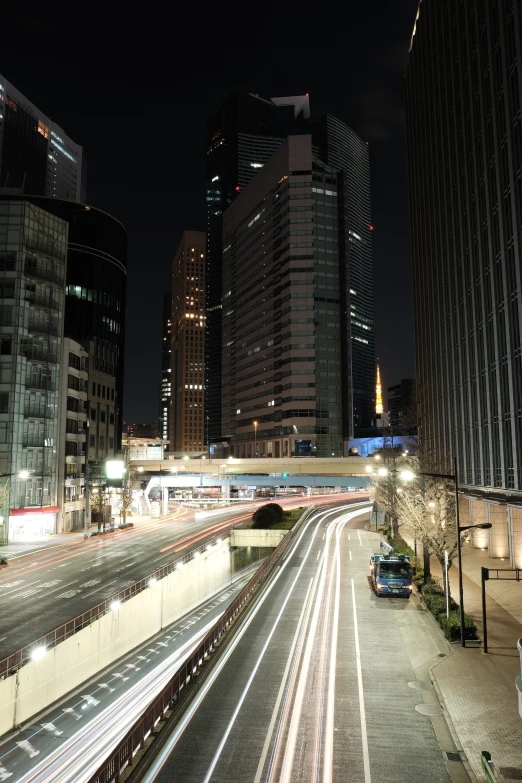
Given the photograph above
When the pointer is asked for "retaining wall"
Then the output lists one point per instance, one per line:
(39, 684)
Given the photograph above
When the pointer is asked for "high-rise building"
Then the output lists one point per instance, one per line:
(464, 124)
(187, 422)
(401, 404)
(33, 255)
(72, 434)
(291, 315)
(166, 369)
(241, 137)
(95, 311)
(36, 157)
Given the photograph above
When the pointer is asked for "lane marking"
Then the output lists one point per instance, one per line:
(348, 537)
(359, 534)
(282, 688)
(350, 554)
(364, 734)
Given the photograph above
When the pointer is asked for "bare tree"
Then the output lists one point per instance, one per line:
(128, 475)
(387, 482)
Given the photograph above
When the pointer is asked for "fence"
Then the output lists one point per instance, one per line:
(122, 756)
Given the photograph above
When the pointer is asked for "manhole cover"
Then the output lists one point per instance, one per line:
(511, 773)
(453, 755)
(429, 709)
(420, 686)
(442, 655)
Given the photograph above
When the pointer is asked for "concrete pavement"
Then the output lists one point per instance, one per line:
(478, 690)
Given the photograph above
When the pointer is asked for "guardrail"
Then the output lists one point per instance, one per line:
(488, 766)
(13, 661)
(134, 740)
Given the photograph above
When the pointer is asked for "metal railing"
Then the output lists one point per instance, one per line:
(124, 753)
(49, 640)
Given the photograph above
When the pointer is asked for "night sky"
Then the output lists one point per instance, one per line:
(135, 90)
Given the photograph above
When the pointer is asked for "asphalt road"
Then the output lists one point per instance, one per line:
(316, 684)
(43, 589)
(65, 745)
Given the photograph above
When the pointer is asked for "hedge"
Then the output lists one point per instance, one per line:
(435, 600)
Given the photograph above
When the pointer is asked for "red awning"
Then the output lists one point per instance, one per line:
(36, 510)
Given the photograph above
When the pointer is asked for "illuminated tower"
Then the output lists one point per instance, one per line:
(378, 394)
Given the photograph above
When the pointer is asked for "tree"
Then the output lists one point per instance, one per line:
(126, 494)
(387, 481)
(267, 516)
(97, 491)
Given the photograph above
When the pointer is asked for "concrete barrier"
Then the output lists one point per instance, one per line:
(262, 538)
(63, 668)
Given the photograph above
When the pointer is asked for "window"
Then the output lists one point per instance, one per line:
(111, 418)
(102, 442)
(92, 440)
(103, 392)
(93, 389)
(112, 394)
(6, 344)
(102, 416)
(93, 414)
(99, 390)
(111, 443)
(3, 432)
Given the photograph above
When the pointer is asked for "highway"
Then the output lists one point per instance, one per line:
(317, 683)
(65, 745)
(43, 589)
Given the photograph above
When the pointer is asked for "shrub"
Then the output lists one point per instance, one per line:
(451, 626)
(418, 578)
(268, 515)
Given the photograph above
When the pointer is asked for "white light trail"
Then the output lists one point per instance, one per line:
(364, 734)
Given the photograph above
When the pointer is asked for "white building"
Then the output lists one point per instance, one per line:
(72, 437)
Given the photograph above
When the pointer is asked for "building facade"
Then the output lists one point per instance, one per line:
(33, 254)
(36, 157)
(464, 104)
(187, 423)
(95, 306)
(241, 136)
(73, 432)
(401, 403)
(288, 318)
(102, 405)
(166, 369)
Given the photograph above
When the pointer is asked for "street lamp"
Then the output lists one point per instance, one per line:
(369, 469)
(141, 469)
(255, 438)
(382, 472)
(486, 526)
(407, 475)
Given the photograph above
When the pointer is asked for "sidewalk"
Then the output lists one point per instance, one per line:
(478, 690)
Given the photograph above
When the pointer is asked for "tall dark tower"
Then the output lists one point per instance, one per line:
(241, 136)
(463, 91)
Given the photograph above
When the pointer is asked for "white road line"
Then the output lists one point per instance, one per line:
(99, 588)
(364, 734)
(359, 534)
(318, 555)
(348, 536)
(350, 554)
(282, 688)
(329, 732)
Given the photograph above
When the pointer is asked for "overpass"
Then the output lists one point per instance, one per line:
(347, 474)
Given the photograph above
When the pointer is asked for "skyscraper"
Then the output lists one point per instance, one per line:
(187, 421)
(36, 156)
(463, 89)
(290, 314)
(166, 369)
(241, 136)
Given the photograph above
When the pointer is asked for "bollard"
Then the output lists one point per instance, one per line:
(488, 766)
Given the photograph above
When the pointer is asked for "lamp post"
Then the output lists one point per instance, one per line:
(255, 438)
(455, 478)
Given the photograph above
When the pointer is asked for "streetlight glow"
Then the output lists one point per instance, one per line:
(38, 653)
(382, 472)
(407, 475)
(114, 606)
(24, 474)
(377, 456)
(153, 582)
(141, 469)
(431, 504)
(369, 469)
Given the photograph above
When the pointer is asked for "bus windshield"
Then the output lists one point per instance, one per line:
(401, 570)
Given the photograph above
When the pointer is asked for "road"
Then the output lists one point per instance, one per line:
(318, 683)
(65, 745)
(43, 589)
